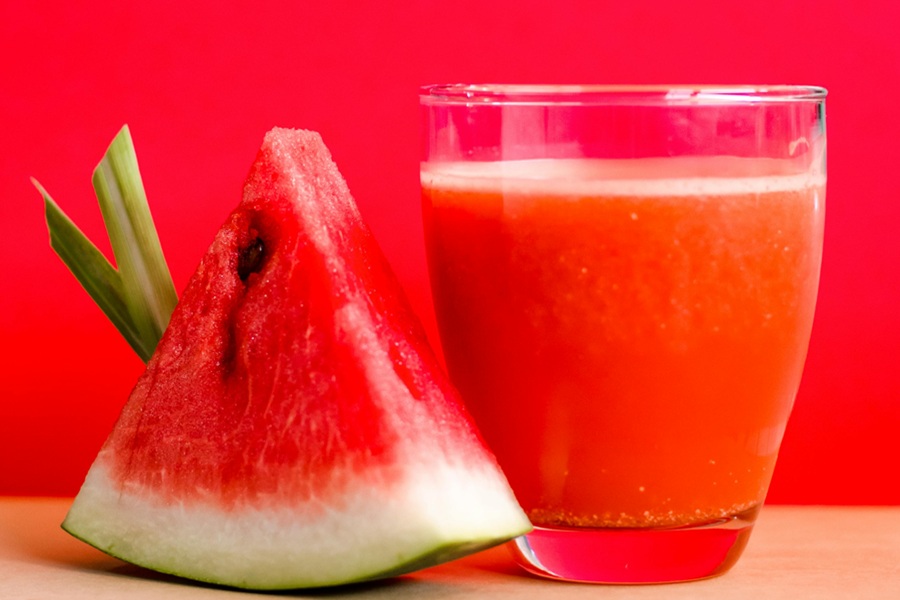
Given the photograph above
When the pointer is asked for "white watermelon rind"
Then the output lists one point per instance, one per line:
(432, 516)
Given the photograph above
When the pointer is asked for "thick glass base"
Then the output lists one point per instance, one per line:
(634, 556)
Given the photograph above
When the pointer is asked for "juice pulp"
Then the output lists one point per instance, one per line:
(628, 335)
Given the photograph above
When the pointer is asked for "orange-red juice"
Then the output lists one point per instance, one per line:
(629, 335)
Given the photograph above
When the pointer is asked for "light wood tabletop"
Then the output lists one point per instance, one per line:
(794, 553)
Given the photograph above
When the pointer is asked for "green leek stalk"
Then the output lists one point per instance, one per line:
(138, 296)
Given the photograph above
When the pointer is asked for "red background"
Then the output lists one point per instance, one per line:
(199, 84)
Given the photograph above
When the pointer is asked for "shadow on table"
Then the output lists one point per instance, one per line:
(442, 582)
(459, 579)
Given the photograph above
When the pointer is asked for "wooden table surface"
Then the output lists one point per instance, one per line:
(794, 553)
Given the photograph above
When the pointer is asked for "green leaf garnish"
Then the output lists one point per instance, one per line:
(139, 296)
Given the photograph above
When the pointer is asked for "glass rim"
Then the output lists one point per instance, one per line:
(606, 94)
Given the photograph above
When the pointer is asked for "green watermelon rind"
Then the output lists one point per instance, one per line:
(429, 516)
(438, 556)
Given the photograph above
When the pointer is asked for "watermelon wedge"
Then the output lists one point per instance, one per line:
(293, 428)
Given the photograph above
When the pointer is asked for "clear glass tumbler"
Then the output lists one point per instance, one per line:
(625, 280)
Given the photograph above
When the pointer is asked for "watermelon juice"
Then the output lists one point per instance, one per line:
(628, 334)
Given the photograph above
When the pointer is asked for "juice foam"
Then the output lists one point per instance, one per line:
(647, 177)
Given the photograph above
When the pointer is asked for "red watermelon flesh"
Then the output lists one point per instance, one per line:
(293, 427)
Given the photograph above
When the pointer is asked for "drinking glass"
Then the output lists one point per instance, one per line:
(624, 280)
